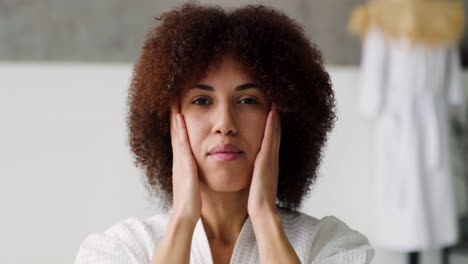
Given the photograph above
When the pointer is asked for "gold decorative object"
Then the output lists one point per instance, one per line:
(434, 22)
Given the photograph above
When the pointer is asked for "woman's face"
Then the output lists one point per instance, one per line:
(225, 107)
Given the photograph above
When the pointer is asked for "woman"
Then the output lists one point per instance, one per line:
(213, 95)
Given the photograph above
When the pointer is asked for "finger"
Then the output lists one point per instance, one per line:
(271, 138)
(183, 138)
(277, 130)
(273, 149)
(173, 120)
(174, 108)
(267, 135)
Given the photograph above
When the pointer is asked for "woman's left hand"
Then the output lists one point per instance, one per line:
(263, 188)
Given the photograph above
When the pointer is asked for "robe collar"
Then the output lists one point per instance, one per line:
(245, 248)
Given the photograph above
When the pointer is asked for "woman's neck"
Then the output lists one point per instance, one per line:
(223, 213)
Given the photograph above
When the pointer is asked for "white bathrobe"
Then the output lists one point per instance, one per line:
(405, 89)
(315, 241)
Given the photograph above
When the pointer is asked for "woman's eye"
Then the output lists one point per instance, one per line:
(203, 101)
(198, 100)
(252, 101)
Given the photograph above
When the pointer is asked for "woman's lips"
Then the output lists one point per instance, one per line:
(226, 156)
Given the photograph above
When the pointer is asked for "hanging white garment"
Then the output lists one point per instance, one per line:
(406, 89)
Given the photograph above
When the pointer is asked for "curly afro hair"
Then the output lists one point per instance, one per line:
(272, 48)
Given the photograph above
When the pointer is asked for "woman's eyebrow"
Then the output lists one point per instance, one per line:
(238, 88)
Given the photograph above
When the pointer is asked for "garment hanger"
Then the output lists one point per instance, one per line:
(433, 22)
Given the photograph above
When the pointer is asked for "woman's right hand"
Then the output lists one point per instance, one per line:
(185, 183)
(175, 245)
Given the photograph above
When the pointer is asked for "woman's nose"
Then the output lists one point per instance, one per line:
(224, 120)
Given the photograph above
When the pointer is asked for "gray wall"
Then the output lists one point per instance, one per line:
(113, 30)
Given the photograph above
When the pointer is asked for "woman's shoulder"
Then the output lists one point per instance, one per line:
(328, 238)
(299, 220)
(130, 240)
(148, 227)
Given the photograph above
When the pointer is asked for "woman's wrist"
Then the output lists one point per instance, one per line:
(265, 217)
(180, 221)
(273, 244)
(174, 247)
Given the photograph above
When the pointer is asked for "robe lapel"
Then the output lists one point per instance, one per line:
(245, 249)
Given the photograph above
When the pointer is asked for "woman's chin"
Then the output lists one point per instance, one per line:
(225, 182)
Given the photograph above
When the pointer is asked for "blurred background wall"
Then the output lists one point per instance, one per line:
(112, 30)
(65, 165)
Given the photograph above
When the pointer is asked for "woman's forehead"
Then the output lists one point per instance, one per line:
(227, 65)
(224, 73)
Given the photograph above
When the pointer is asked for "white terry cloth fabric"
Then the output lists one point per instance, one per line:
(406, 89)
(134, 240)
